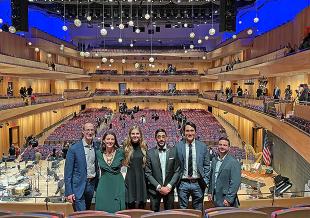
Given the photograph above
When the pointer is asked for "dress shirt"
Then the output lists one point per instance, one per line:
(162, 153)
(217, 168)
(195, 173)
(90, 159)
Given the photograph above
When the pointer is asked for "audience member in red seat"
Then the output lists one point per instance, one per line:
(135, 159)
(162, 171)
(81, 170)
(225, 177)
(110, 193)
(195, 168)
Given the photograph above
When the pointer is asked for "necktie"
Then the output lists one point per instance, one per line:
(190, 160)
(162, 149)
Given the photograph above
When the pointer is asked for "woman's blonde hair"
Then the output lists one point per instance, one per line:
(128, 148)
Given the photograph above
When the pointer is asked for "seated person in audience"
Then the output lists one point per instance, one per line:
(12, 150)
(162, 172)
(225, 177)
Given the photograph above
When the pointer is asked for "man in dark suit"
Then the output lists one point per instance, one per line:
(195, 168)
(81, 170)
(162, 172)
(225, 177)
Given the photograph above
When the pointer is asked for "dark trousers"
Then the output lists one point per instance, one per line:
(136, 205)
(167, 199)
(84, 202)
(186, 189)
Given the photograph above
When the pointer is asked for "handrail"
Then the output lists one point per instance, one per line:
(251, 62)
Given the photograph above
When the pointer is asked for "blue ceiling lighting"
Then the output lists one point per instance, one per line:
(271, 14)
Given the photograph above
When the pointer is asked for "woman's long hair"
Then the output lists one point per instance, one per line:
(128, 148)
(103, 146)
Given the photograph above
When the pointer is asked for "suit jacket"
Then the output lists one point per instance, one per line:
(202, 160)
(153, 171)
(76, 170)
(228, 181)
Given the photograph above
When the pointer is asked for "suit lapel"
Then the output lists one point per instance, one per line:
(184, 153)
(82, 152)
(156, 153)
(167, 159)
(225, 161)
(197, 147)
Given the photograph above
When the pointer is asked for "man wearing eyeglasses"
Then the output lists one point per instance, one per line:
(225, 177)
(81, 170)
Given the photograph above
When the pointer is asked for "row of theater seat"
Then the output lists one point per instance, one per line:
(218, 212)
(162, 73)
(121, 127)
(147, 92)
(208, 128)
(299, 123)
(40, 99)
(45, 150)
(71, 130)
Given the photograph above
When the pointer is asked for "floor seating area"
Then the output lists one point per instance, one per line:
(209, 129)
(149, 126)
(71, 130)
(45, 150)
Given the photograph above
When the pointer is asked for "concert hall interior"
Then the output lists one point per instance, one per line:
(236, 68)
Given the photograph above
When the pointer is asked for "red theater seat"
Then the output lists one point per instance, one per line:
(298, 212)
(135, 213)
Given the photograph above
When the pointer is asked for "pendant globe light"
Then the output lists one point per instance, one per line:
(103, 31)
(77, 21)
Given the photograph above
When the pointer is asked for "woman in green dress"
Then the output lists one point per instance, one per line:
(110, 193)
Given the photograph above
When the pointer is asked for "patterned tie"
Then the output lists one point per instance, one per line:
(190, 160)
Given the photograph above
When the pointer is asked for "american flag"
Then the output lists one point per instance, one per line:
(267, 151)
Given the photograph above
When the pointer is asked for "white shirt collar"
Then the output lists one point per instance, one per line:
(221, 159)
(87, 145)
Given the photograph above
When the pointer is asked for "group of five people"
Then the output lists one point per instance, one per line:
(151, 174)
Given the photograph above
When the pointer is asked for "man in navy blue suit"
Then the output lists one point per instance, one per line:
(195, 168)
(81, 170)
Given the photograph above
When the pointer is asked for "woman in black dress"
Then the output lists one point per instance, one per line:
(135, 160)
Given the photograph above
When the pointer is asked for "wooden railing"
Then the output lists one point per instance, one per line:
(69, 69)
(262, 59)
(22, 62)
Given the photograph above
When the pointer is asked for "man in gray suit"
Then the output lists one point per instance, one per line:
(162, 172)
(195, 168)
(225, 177)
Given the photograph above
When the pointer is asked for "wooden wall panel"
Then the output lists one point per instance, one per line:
(107, 85)
(15, 45)
(38, 85)
(60, 86)
(292, 32)
(74, 84)
(32, 125)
